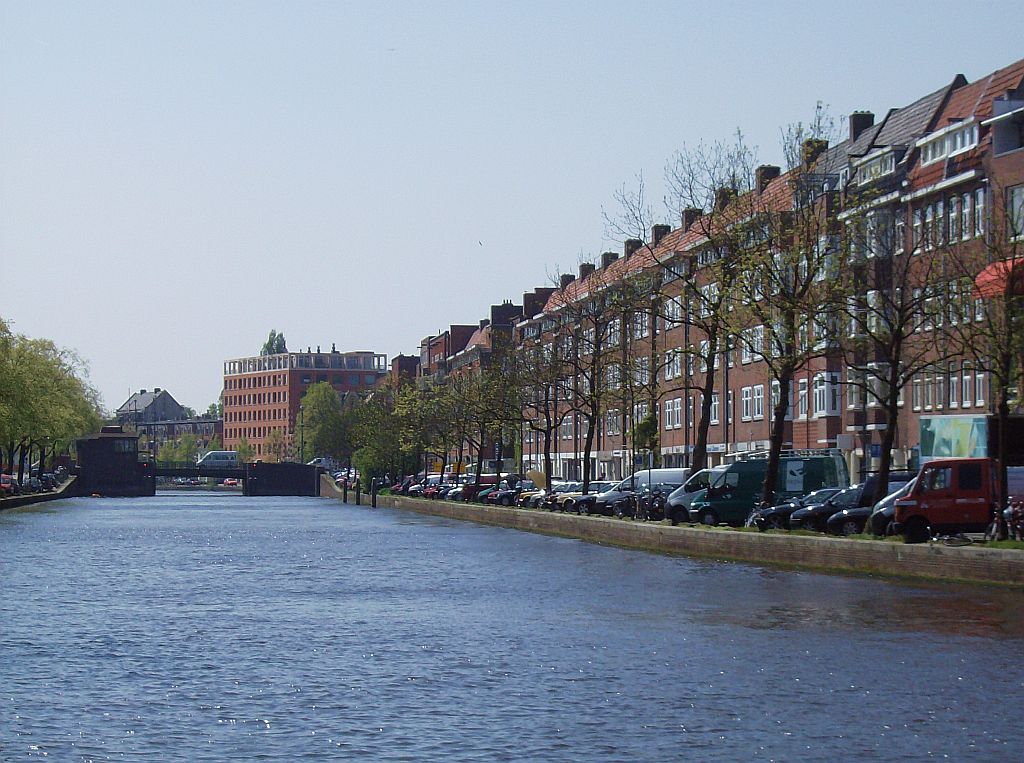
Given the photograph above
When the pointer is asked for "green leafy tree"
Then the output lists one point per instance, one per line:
(245, 451)
(274, 345)
(45, 399)
(275, 446)
(325, 428)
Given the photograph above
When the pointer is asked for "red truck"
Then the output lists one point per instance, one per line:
(951, 495)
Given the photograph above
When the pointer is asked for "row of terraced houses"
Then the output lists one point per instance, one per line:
(943, 175)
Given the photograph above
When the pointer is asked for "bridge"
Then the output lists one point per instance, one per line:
(110, 464)
(192, 469)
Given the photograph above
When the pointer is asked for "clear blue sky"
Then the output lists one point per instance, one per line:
(178, 178)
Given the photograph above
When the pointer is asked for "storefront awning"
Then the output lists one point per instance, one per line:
(1005, 277)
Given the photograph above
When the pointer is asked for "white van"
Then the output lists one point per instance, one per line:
(219, 459)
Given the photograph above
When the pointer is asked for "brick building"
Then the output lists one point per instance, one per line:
(262, 393)
(910, 207)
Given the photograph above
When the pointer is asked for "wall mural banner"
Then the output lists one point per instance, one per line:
(953, 437)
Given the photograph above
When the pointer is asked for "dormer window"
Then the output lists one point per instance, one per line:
(875, 167)
(948, 141)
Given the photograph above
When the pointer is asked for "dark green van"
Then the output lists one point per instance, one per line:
(734, 488)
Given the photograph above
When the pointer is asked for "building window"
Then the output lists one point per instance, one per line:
(714, 408)
(954, 384)
(677, 409)
(758, 401)
(690, 414)
(802, 399)
(915, 397)
(1015, 212)
(979, 211)
(917, 231)
(746, 396)
(979, 388)
(966, 388)
(940, 389)
(668, 414)
(852, 390)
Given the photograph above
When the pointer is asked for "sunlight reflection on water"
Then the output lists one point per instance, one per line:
(211, 627)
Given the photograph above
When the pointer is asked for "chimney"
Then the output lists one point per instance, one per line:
(658, 232)
(723, 197)
(630, 247)
(142, 392)
(484, 323)
(607, 258)
(690, 216)
(534, 302)
(156, 390)
(811, 149)
(765, 174)
(586, 268)
(859, 122)
(565, 279)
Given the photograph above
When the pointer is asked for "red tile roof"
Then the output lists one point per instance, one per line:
(777, 196)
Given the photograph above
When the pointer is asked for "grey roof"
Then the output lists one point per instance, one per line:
(833, 159)
(904, 126)
(140, 401)
(866, 139)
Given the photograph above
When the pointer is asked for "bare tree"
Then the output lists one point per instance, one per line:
(985, 303)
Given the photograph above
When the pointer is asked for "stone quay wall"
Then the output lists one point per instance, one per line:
(928, 561)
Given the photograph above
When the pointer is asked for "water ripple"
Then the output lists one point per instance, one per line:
(205, 627)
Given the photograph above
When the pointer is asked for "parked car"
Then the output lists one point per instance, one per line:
(474, 486)
(734, 488)
(677, 506)
(815, 517)
(604, 502)
(8, 485)
(507, 483)
(777, 517)
(855, 520)
(949, 495)
(531, 499)
(508, 496)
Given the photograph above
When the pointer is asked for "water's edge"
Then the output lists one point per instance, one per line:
(970, 564)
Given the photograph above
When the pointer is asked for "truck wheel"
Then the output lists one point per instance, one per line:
(916, 531)
(709, 517)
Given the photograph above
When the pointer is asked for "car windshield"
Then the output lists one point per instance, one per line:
(818, 496)
(719, 476)
(847, 498)
(698, 481)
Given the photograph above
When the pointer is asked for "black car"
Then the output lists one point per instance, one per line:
(777, 517)
(884, 511)
(855, 504)
(815, 517)
(856, 520)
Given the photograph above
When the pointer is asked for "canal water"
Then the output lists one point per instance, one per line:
(209, 627)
